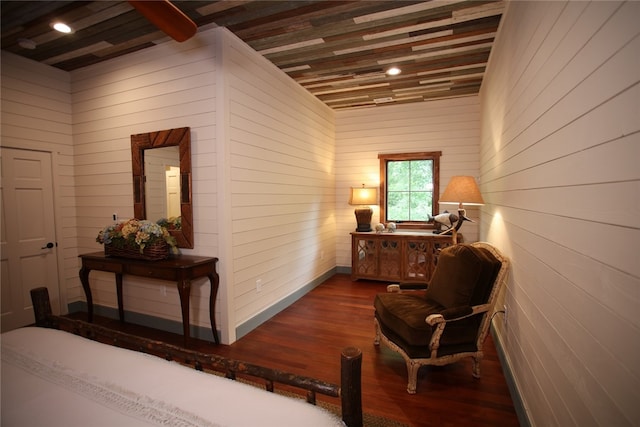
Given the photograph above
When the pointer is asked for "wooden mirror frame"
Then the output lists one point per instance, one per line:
(165, 138)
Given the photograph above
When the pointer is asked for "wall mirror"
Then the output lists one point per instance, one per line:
(161, 164)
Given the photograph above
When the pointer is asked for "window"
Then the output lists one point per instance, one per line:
(409, 186)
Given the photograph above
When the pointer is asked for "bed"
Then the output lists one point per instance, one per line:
(65, 372)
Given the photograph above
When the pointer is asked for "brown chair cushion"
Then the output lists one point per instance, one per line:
(456, 275)
(405, 314)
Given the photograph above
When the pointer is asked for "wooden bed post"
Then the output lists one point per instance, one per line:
(351, 386)
(41, 307)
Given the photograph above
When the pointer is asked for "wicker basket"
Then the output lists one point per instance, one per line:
(156, 251)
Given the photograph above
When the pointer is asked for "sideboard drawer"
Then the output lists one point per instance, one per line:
(106, 265)
(151, 271)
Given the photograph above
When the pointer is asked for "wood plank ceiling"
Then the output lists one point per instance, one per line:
(338, 50)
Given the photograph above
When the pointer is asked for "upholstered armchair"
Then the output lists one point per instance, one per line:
(449, 320)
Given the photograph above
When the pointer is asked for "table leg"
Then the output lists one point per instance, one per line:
(119, 294)
(84, 279)
(184, 290)
(215, 280)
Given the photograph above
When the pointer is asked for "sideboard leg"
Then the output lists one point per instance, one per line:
(214, 279)
(119, 295)
(84, 279)
(184, 290)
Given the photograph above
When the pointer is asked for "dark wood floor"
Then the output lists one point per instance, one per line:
(308, 336)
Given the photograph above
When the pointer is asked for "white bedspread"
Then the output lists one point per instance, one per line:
(53, 378)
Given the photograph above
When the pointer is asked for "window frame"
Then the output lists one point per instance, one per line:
(424, 155)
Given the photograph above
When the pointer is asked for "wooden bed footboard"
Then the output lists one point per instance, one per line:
(349, 391)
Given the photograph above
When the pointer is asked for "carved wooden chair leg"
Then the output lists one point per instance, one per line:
(412, 373)
(376, 338)
(476, 366)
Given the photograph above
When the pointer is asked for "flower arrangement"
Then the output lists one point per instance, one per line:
(136, 233)
(171, 223)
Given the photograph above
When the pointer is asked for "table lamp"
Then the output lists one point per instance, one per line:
(461, 189)
(363, 197)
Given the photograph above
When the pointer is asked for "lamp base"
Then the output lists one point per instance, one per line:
(363, 218)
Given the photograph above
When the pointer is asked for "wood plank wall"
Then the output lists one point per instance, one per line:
(37, 115)
(559, 169)
(451, 126)
(281, 186)
(168, 86)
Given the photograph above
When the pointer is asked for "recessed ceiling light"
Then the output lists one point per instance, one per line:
(62, 27)
(26, 43)
(393, 71)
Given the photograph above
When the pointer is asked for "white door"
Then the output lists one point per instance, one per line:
(173, 191)
(28, 254)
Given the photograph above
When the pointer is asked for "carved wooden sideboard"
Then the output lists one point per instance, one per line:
(180, 269)
(400, 256)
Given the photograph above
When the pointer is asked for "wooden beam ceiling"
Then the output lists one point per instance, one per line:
(338, 50)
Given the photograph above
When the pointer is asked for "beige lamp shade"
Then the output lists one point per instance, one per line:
(363, 195)
(462, 189)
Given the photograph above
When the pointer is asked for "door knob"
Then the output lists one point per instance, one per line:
(48, 246)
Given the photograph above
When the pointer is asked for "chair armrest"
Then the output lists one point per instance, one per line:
(455, 313)
(440, 320)
(449, 315)
(434, 319)
(399, 287)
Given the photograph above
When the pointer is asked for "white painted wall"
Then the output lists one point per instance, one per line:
(167, 86)
(451, 126)
(279, 156)
(559, 170)
(37, 115)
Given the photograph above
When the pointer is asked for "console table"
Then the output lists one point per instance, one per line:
(180, 269)
(396, 257)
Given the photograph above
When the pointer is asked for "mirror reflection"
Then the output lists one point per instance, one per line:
(162, 183)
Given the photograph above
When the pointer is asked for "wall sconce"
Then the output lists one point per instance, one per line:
(461, 189)
(363, 197)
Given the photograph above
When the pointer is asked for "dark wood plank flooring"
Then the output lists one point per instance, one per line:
(308, 336)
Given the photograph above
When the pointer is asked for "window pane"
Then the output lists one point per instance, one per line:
(421, 174)
(420, 206)
(409, 190)
(398, 206)
(399, 176)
